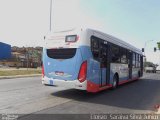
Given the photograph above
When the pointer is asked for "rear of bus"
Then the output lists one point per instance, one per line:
(65, 60)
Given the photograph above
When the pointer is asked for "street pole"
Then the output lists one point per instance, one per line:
(50, 26)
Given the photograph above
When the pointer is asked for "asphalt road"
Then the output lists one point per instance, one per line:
(28, 95)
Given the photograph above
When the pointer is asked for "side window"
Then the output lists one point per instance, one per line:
(128, 56)
(115, 54)
(139, 58)
(95, 47)
(134, 60)
(123, 55)
(139, 61)
(103, 49)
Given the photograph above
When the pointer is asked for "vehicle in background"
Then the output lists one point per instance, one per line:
(150, 69)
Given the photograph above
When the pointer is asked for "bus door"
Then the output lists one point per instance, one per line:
(104, 63)
(100, 53)
(130, 60)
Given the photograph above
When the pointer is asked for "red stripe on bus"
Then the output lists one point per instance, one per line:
(92, 87)
(126, 81)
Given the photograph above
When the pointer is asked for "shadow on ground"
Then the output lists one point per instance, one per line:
(138, 95)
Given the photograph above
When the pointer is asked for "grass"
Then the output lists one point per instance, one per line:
(19, 72)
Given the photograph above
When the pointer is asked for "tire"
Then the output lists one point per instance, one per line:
(115, 82)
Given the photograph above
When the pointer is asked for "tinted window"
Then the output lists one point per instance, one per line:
(95, 44)
(137, 60)
(123, 55)
(95, 47)
(61, 53)
(134, 59)
(115, 54)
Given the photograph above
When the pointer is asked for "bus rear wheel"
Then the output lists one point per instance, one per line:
(115, 82)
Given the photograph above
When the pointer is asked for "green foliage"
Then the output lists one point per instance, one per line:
(158, 45)
(149, 64)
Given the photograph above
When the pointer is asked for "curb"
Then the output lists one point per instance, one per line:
(19, 76)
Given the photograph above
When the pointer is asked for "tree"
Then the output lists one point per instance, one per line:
(149, 64)
(158, 43)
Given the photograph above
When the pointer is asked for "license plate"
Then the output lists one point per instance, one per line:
(59, 73)
(51, 82)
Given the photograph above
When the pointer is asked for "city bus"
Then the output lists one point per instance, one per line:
(87, 59)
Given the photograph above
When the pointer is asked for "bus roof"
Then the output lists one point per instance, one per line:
(89, 32)
(115, 41)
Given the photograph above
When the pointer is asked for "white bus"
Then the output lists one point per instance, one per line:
(90, 60)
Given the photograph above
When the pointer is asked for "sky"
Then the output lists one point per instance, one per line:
(26, 22)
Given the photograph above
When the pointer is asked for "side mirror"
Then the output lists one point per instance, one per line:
(142, 49)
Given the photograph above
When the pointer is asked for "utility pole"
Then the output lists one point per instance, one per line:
(50, 26)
